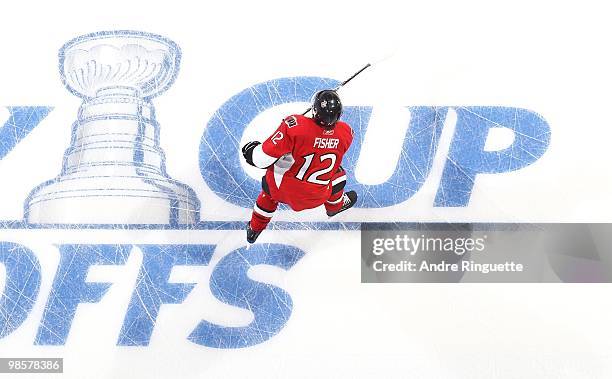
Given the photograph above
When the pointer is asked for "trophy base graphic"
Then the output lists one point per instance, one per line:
(114, 169)
(138, 198)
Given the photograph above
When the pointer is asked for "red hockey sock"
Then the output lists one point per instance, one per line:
(334, 203)
(263, 211)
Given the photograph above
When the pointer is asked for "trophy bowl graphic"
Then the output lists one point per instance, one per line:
(114, 171)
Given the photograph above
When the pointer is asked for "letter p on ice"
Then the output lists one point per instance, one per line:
(467, 156)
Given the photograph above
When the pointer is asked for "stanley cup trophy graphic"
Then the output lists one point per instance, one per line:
(114, 169)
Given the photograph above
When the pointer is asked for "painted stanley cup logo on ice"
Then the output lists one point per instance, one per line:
(114, 171)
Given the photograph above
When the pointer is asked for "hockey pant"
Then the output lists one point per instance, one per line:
(265, 206)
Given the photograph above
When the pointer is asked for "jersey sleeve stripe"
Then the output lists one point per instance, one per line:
(261, 159)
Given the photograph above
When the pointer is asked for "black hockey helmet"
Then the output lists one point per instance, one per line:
(326, 108)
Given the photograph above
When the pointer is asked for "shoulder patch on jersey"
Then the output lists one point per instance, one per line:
(291, 121)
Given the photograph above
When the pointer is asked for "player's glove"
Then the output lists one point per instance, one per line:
(247, 151)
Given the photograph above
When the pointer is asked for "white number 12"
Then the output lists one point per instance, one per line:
(314, 177)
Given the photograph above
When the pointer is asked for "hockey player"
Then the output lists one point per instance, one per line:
(302, 158)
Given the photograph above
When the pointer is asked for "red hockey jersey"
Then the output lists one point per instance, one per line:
(306, 158)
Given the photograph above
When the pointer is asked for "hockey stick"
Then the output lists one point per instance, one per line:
(343, 84)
